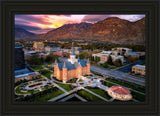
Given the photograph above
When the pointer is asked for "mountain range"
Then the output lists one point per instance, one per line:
(112, 29)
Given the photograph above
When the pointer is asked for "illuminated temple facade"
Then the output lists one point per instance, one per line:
(71, 68)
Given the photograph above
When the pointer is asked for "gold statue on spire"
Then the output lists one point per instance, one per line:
(72, 44)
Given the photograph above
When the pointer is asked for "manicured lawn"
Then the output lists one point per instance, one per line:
(138, 96)
(107, 83)
(37, 67)
(88, 96)
(67, 87)
(48, 75)
(101, 93)
(126, 85)
(72, 80)
(49, 95)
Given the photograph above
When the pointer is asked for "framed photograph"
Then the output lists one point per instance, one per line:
(79, 58)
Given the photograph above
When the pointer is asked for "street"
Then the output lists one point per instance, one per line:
(119, 75)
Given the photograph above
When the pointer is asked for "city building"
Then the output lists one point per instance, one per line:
(132, 54)
(52, 48)
(104, 55)
(115, 57)
(19, 58)
(122, 50)
(38, 46)
(139, 69)
(27, 76)
(71, 68)
(119, 93)
(60, 53)
(21, 71)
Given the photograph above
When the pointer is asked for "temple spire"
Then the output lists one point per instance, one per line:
(64, 65)
(55, 63)
(88, 62)
(72, 51)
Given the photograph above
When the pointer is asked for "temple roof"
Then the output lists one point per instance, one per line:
(71, 66)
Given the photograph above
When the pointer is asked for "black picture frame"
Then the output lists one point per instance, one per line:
(10, 8)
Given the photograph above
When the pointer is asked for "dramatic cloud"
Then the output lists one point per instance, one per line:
(44, 23)
(95, 18)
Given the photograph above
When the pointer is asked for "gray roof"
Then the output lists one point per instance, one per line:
(71, 66)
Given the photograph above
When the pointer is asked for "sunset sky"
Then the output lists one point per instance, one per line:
(43, 23)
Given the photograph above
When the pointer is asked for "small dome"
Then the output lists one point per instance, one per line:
(119, 90)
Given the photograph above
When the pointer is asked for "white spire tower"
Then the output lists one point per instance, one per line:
(72, 56)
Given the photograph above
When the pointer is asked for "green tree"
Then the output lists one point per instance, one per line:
(110, 60)
(118, 62)
(132, 59)
(97, 59)
(50, 58)
(105, 65)
(34, 60)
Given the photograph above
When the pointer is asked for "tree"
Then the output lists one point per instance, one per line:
(97, 59)
(110, 60)
(50, 58)
(132, 59)
(105, 65)
(118, 62)
(34, 60)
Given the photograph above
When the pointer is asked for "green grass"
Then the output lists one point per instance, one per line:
(18, 91)
(138, 96)
(101, 93)
(37, 67)
(48, 75)
(67, 87)
(127, 85)
(72, 80)
(107, 83)
(49, 96)
(88, 96)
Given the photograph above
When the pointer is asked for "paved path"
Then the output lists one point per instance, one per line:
(73, 95)
(119, 75)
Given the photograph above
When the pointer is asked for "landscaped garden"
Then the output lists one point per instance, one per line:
(138, 96)
(72, 80)
(49, 95)
(88, 96)
(67, 87)
(100, 92)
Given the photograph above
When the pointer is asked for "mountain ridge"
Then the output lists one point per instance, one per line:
(112, 29)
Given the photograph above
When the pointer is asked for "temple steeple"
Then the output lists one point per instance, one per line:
(88, 62)
(72, 58)
(55, 63)
(72, 51)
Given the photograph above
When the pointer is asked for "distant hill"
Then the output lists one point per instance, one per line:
(112, 29)
(116, 30)
(67, 31)
(21, 33)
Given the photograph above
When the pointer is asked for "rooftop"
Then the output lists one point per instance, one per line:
(18, 46)
(26, 74)
(140, 66)
(132, 53)
(71, 66)
(119, 90)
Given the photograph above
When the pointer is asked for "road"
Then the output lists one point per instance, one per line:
(119, 75)
(128, 67)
